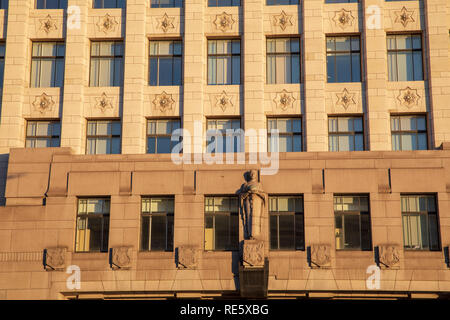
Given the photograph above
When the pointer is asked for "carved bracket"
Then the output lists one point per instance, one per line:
(120, 257)
(389, 256)
(187, 257)
(55, 259)
(319, 256)
(253, 253)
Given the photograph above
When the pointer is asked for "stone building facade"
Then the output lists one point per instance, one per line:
(41, 188)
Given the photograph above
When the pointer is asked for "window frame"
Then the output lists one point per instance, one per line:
(124, 3)
(351, 52)
(99, 57)
(172, 56)
(240, 148)
(59, 5)
(422, 47)
(415, 132)
(150, 216)
(420, 213)
(294, 214)
(28, 121)
(290, 54)
(353, 133)
(156, 135)
(111, 136)
(342, 215)
(291, 134)
(231, 55)
(174, 4)
(102, 217)
(230, 216)
(47, 58)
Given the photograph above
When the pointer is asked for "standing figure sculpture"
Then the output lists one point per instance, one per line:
(252, 201)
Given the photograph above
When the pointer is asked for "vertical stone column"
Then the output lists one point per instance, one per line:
(314, 78)
(374, 54)
(194, 68)
(76, 77)
(254, 75)
(436, 43)
(133, 117)
(16, 77)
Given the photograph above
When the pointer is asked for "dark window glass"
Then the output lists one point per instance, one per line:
(420, 222)
(286, 223)
(109, 4)
(283, 60)
(221, 223)
(224, 61)
(159, 134)
(352, 222)
(103, 137)
(405, 57)
(343, 59)
(157, 224)
(42, 134)
(281, 2)
(51, 4)
(409, 132)
(47, 64)
(223, 3)
(345, 133)
(224, 135)
(92, 225)
(106, 64)
(289, 134)
(166, 3)
(165, 63)
(2, 62)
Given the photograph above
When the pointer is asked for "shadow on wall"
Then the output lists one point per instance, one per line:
(3, 174)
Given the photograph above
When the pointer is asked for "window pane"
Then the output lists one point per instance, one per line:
(286, 231)
(351, 231)
(273, 232)
(221, 232)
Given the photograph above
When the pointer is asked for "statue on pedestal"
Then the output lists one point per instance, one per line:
(252, 200)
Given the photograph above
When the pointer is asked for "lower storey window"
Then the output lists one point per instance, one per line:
(221, 223)
(420, 222)
(157, 224)
(286, 223)
(352, 222)
(92, 225)
(103, 137)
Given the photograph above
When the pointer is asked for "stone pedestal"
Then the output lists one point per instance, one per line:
(253, 253)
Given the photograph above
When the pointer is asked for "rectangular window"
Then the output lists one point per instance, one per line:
(159, 134)
(224, 61)
(283, 60)
(166, 3)
(221, 223)
(4, 4)
(409, 132)
(341, 1)
(224, 135)
(405, 57)
(352, 222)
(92, 225)
(106, 64)
(103, 137)
(289, 134)
(165, 63)
(281, 2)
(420, 222)
(2, 62)
(343, 59)
(345, 133)
(51, 4)
(286, 223)
(47, 64)
(42, 134)
(224, 3)
(99, 4)
(157, 224)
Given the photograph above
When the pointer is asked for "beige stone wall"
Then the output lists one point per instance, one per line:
(253, 22)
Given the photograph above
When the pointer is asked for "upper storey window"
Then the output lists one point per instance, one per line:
(283, 60)
(165, 63)
(106, 64)
(3, 4)
(343, 59)
(166, 3)
(224, 61)
(224, 3)
(281, 2)
(405, 57)
(100, 4)
(47, 64)
(2, 62)
(341, 1)
(51, 4)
